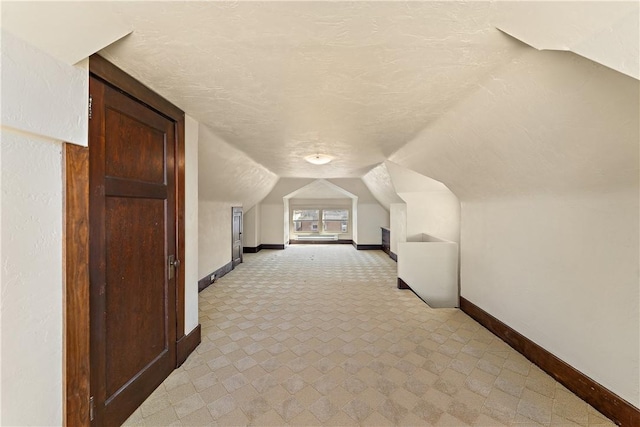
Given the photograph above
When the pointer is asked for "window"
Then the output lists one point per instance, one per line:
(335, 220)
(306, 220)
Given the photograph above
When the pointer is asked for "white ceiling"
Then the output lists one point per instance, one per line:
(431, 86)
(321, 189)
(279, 81)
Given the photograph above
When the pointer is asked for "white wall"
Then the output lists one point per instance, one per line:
(355, 213)
(251, 225)
(434, 213)
(214, 241)
(45, 97)
(42, 95)
(258, 225)
(544, 158)
(272, 224)
(431, 207)
(227, 177)
(397, 225)
(367, 215)
(371, 216)
(31, 276)
(274, 215)
(287, 223)
(191, 225)
(431, 270)
(570, 263)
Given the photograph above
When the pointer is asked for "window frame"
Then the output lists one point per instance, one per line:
(295, 221)
(320, 229)
(341, 221)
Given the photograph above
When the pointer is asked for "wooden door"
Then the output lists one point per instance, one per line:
(132, 152)
(236, 232)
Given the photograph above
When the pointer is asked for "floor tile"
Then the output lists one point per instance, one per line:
(320, 335)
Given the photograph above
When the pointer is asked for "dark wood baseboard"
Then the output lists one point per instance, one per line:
(271, 246)
(402, 284)
(321, 242)
(368, 247)
(393, 256)
(251, 249)
(604, 400)
(187, 344)
(254, 250)
(206, 280)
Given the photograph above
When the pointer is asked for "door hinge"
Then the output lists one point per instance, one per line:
(91, 408)
(90, 106)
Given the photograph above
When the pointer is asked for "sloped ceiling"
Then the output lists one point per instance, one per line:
(227, 174)
(281, 80)
(432, 86)
(378, 181)
(553, 124)
(355, 186)
(604, 32)
(407, 181)
(69, 32)
(320, 189)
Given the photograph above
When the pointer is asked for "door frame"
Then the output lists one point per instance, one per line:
(234, 211)
(76, 369)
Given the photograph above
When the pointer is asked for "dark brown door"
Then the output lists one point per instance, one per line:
(236, 232)
(133, 237)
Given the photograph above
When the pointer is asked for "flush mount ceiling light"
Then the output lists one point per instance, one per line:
(318, 159)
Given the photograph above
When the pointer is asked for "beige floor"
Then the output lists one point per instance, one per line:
(319, 335)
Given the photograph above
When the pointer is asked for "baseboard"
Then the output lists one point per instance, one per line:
(270, 246)
(206, 280)
(393, 256)
(368, 247)
(251, 250)
(187, 344)
(604, 400)
(402, 284)
(321, 242)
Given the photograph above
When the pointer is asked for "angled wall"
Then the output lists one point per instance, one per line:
(367, 214)
(378, 181)
(605, 32)
(431, 208)
(371, 216)
(273, 213)
(544, 158)
(251, 227)
(227, 177)
(44, 102)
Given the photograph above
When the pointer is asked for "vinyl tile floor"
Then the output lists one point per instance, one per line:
(320, 335)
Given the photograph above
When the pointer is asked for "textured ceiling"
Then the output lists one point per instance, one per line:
(356, 80)
(320, 189)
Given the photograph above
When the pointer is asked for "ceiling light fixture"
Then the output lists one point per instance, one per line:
(318, 159)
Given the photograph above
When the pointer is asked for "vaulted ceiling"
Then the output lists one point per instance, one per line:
(279, 81)
(463, 92)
